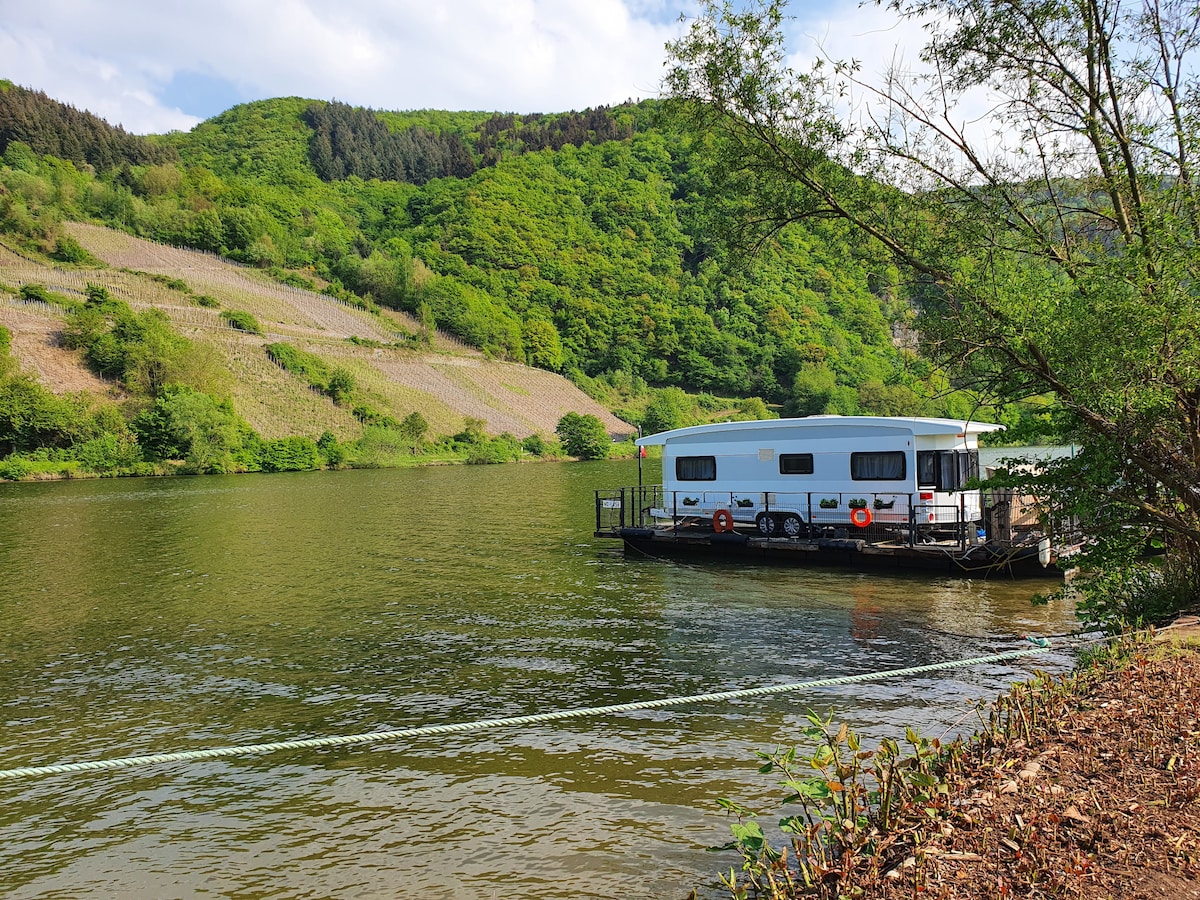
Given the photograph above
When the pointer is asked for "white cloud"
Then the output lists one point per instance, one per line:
(116, 58)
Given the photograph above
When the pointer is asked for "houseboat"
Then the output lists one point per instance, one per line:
(859, 490)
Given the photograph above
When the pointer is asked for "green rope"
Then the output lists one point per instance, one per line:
(456, 728)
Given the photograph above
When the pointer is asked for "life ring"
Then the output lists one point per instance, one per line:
(861, 517)
(722, 521)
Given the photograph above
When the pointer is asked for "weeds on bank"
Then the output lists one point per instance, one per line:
(849, 803)
(858, 819)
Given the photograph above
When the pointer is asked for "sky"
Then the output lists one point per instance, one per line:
(154, 66)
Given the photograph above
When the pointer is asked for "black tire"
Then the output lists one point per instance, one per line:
(793, 526)
(766, 525)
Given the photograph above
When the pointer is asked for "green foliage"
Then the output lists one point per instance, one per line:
(351, 141)
(69, 250)
(583, 436)
(185, 424)
(501, 449)
(290, 454)
(414, 428)
(242, 321)
(670, 408)
(301, 363)
(109, 452)
(140, 349)
(48, 127)
(31, 417)
(536, 445)
(341, 385)
(331, 450)
(1028, 284)
(848, 801)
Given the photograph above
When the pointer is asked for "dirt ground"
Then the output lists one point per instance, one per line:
(1099, 802)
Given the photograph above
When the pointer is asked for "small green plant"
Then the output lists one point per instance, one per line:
(884, 504)
(849, 801)
(857, 503)
(828, 503)
(207, 301)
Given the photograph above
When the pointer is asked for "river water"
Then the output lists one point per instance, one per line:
(152, 615)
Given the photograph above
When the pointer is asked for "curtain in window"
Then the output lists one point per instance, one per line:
(888, 466)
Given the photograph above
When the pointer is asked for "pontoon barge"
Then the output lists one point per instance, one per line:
(862, 491)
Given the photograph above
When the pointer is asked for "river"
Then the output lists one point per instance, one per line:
(150, 615)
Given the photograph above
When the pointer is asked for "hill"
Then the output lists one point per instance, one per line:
(593, 244)
(448, 385)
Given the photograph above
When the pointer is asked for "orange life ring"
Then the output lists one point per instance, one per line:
(722, 521)
(861, 517)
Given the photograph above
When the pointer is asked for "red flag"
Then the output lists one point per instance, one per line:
(642, 452)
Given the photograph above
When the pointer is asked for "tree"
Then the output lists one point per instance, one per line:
(1053, 253)
(583, 436)
(670, 408)
(414, 428)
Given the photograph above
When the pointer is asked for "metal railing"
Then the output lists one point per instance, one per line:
(875, 518)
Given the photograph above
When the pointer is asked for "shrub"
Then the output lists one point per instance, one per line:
(109, 452)
(290, 454)
(331, 450)
(14, 468)
(502, 449)
(341, 385)
(536, 445)
(35, 293)
(69, 250)
(583, 436)
(242, 321)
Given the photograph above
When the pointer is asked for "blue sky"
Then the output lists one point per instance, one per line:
(157, 66)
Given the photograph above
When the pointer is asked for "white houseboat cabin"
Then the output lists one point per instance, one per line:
(790, 477)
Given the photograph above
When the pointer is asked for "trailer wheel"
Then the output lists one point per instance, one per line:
(766, 524)
(792, 526)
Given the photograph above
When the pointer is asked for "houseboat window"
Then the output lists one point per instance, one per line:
(795, 463)
(696, 468)
(884, 466)
(927, 468)
(947, 470)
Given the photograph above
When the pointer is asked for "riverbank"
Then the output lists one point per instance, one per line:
(1085, 787)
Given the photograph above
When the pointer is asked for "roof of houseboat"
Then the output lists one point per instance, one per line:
(910, 425)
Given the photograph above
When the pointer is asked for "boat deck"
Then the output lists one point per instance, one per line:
(1008, 560)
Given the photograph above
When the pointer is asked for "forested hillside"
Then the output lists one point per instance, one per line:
(583, 243)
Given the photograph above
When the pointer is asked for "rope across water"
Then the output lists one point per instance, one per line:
(370, 737)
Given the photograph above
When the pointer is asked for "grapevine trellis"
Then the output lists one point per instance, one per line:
(445, 386)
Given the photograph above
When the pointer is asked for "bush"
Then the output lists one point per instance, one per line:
(583, 436)
(69, 250)
(536, 445)
(331, 450)
(35, 293)
(14, 469)
(502, 449)
(290, 454)
(109, 452)
(242, 321)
